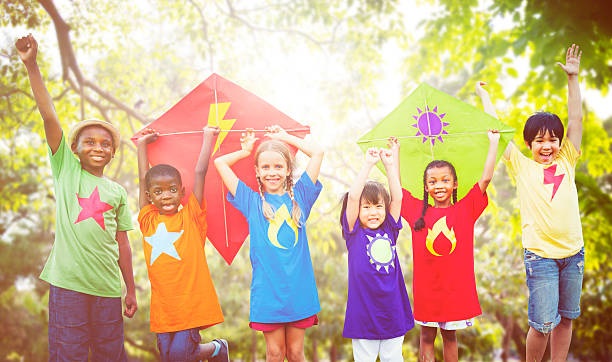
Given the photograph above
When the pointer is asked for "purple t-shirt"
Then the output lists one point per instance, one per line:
(377, 306)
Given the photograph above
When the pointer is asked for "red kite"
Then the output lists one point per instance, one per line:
(216, 102)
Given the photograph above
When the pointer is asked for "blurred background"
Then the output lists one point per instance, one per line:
(339, 67)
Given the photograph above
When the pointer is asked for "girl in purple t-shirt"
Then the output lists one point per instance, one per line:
(378, 312)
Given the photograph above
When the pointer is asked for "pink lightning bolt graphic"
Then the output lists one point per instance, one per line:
(551, 178)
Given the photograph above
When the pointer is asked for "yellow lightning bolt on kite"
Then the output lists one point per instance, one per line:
(440, 227)
(216, 117)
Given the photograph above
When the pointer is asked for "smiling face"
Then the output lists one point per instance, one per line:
(439, 184)
(272, 171)
(165, 192)
(544, 147)
(372, 214)
(94, 148)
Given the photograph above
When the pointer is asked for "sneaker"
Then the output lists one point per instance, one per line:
(223, 355)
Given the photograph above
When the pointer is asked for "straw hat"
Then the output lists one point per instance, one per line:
(77, 128)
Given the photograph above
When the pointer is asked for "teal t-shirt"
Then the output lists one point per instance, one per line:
(89, 212)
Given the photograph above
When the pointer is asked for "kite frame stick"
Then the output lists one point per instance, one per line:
(235, 130)
(422, 136)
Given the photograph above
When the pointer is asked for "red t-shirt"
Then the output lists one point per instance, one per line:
(444, 285)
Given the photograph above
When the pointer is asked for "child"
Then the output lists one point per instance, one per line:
(444, 285)
(183, 297)
(284, 298)
(550, 215)
(91, 247)
(378, 310)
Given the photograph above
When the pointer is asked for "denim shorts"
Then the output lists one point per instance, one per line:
(80, 323)
(179, 346)
(554, 287)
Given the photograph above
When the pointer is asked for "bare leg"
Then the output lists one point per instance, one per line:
(451, 351)
(275, 345)
(426, 344)
(536, 345)
(294, 339)
(560, 340)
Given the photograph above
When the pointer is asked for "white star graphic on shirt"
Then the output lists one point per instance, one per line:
(163, 242)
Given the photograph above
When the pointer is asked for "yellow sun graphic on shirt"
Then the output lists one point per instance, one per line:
(381, 252)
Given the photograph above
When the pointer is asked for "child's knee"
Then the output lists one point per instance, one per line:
(275, 354)
(448, 336)
(428, 335)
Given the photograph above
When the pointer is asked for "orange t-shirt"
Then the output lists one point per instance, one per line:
(182, 292)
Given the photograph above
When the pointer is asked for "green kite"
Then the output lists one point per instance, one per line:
(432, 125)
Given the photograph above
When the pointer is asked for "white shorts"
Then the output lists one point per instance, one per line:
(389, 350)
(449, 326)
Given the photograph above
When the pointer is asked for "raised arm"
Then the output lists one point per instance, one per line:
(390, 159)
(148, 135)
(485, 98)
(202, 165)
(574, 102)
(489, 166)
(310, 148)
(224, 163)
(490, 109)
(27, 47)
(354, 195)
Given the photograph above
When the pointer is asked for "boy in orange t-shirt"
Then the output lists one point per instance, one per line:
(183, 297)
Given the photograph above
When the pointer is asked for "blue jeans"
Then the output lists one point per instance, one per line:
(80, 323)
(179, 346)
(554, 287)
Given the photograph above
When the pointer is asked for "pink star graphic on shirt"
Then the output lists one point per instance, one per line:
(93, 207)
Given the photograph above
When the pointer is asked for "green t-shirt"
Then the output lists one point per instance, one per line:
(89, 212)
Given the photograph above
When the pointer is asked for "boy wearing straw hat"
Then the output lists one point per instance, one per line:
(91, 250)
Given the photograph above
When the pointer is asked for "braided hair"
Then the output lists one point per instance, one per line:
(420, 223)
(283, 150)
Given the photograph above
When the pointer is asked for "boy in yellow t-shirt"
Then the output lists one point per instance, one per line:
(550, 218)
(183, 297)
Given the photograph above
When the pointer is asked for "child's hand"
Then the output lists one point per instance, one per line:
(212, 130)
(372, 156)
(393, 143)
(247, 140)
(27, 47)
(480, 91)
(147, 136)
(275, 132)
(493, 135)
(572, 60)
(386, 156)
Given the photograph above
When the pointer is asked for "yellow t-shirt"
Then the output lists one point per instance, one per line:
(550, 215)
(182, 292)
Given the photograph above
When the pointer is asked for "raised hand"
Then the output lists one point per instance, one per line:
(275, 132)
(572, 60)
(372, 156)
(27, 47)
(247, 140)
(148, 135)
